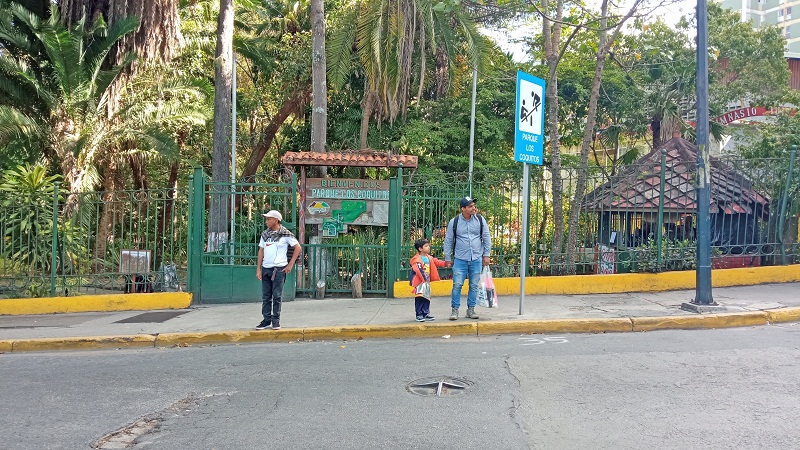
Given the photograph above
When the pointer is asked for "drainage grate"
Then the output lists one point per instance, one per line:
(442, 386)
(152, 317)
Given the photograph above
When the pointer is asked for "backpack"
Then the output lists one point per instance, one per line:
(455, 227)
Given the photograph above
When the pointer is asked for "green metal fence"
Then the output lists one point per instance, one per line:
(639, 219)
(337, 264)
(104, 242)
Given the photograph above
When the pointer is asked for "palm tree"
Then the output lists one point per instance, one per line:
(391, 40)
(53, 77)
(53, 86)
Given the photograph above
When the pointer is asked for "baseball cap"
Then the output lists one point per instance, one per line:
(274, 214)
(466, 201)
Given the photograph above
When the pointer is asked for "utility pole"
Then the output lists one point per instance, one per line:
(703, 179)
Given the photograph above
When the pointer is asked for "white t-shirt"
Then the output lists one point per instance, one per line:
(275, 251)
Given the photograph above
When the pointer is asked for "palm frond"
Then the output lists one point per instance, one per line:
(339, 52)
(14, 124)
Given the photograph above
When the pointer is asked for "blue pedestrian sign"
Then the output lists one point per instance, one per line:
(529, 120)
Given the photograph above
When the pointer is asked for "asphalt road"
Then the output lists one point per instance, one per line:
(710, 389)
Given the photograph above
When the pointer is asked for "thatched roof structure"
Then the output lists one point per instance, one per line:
(636, 188)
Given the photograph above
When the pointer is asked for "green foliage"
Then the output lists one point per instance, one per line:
(747, 63)
(675, 255)
(769, 151)
(26, 197)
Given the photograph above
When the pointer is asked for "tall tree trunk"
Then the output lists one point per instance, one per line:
(369, 104)
(158, 38)
(292, 104)
(441, 75)
(166, 216)
(319, 109)
(109, 214)
(655, 127)
(220, 159)
(552, 41)
(604, 45)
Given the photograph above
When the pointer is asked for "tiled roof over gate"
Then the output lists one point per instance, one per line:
(358, 158)
(637, 186)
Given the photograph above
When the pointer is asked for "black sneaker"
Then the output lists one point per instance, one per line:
(420, 319)
(276, 324)
(263, 325)
(429, 317)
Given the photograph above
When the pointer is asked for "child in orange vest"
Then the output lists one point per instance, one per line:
(425, 270)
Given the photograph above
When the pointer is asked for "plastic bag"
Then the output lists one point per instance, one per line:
(487, 295)
(423, 290)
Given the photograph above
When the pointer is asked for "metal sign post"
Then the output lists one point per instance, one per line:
(528, 149)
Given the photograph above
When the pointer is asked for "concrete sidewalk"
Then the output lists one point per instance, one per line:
(305, 319)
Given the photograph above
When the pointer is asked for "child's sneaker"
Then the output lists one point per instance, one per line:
(429, 317)
(420, 319)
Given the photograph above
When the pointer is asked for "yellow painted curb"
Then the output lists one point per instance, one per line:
(619, 283)
(92, 303)
(783, 315)
(227, 337)
(6, 346)
(610, 325)
(83, 343)
(724, 320)
(390, 331)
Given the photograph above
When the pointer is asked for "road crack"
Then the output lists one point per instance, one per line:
(128, 436)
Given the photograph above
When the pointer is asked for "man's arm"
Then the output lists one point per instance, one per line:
(487, 242)
(260, 260)
(448, 243)
(295, 255)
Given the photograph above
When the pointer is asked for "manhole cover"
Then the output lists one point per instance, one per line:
(442, 386)
(152, 317)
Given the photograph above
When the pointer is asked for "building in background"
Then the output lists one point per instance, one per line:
(783, 13)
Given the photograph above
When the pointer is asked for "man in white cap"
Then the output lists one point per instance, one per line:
(273, 266)
(467, 246)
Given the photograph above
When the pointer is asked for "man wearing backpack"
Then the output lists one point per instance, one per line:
(467, 245)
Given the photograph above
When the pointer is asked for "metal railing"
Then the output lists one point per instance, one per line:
(104, 242)
(639, 220)
(337, 264)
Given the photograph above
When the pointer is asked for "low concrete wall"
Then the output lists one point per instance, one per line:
(87, 303)
(625, 282)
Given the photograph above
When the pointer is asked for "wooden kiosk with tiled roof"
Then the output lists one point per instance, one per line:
(628, 205)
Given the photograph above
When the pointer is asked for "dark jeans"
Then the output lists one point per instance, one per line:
(271, 289)
(423, 306)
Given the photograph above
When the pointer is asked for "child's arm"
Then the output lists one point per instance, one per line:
(417, 268)
(438, 262)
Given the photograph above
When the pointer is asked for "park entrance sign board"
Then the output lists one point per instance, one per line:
(529, 120)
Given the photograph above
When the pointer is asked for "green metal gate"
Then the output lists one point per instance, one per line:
(225, 272)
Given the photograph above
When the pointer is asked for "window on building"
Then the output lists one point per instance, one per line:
(789, 13)
(780, 15)
(788, 32)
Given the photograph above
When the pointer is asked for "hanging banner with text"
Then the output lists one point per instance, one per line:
(347, 201)
(529, 120)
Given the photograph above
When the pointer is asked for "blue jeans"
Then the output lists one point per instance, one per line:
(461, 269)
(271, 289)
